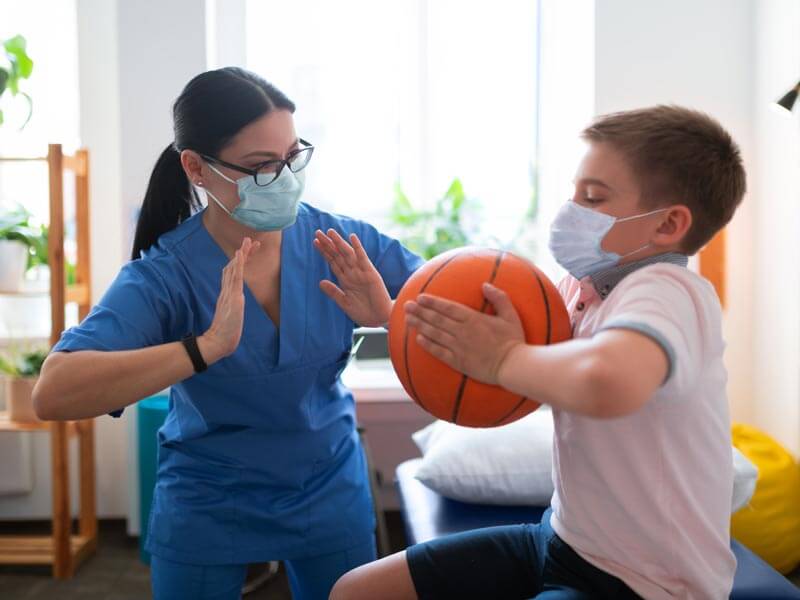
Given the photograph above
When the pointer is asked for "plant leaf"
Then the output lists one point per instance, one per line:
(15, 48)
(8, 367)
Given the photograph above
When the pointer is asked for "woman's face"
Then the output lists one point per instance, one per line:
(272, 137)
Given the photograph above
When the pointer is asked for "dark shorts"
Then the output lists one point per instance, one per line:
(514, 561)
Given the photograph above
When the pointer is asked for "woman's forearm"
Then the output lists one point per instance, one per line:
(89, 383)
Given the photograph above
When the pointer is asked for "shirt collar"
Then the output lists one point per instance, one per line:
(605, 281)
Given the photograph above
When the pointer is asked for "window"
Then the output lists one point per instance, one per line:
(416, 93)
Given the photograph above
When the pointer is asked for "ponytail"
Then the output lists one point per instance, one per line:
(169, 201)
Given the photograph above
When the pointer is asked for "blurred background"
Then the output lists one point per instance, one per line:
(443, 122)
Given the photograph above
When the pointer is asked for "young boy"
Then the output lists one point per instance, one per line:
(642, 460)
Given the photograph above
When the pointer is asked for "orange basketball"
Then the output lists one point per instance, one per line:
(458, 275)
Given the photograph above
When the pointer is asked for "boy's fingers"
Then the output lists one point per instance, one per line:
(431, 317)
(453, 310)
(433, 333)
(501, 302)
(440, 352)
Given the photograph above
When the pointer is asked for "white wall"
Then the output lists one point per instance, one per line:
(776, 202)
(732, 59)
(134, 58)
(697, 54)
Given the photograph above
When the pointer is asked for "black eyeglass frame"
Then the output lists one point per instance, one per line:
(309, 148)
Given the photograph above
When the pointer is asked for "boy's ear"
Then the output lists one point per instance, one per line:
(676, 224)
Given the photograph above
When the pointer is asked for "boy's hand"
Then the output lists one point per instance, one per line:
(361, 292)
(469, 341)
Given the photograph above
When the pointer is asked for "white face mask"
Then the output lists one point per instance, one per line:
(576, 235)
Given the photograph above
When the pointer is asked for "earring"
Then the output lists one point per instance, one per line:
(199, 184)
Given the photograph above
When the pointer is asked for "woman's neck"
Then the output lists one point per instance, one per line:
(229, 234)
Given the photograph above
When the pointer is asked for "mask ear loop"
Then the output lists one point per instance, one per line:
(647, 214)
(631, 218)
(211, 194)
(225, 177)
(220, 204)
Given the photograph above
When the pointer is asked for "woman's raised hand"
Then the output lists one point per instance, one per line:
(360, 292)
(222, 338)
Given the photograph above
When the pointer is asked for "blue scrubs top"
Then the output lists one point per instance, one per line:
(259, 458)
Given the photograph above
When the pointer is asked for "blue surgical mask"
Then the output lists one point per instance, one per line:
(265, 208)
(576, 235)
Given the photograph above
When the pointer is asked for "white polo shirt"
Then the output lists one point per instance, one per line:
(647, 497)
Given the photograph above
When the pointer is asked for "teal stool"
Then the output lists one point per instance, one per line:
(151, 413)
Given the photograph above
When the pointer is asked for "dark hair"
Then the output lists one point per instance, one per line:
(680, 156)
(211, 110)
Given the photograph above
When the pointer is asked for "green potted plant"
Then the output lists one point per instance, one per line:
(21, 371)
(23, 245)
(16, 67)
(431, 232)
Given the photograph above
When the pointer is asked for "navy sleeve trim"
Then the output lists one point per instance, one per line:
(651, 332)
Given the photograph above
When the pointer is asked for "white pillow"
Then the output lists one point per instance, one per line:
(745, 474)
(512, 464)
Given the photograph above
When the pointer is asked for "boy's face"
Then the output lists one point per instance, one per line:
(606, 183)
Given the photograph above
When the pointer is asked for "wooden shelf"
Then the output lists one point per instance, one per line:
(78, 293)
(8, 425)
(62, 549)
(40, 549)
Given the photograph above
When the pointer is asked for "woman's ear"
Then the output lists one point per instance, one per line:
(676, 224)
(193, 166)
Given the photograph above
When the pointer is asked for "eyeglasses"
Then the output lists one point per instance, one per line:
(268, 171)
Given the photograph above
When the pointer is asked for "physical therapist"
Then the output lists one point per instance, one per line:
(232, 307)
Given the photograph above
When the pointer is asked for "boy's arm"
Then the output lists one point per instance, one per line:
(609, 375)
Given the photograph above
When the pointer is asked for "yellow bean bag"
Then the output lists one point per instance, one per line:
(770, 524)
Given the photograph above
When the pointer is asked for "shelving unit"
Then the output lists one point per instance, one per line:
(63, 549)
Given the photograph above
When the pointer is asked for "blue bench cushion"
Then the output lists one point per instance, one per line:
(428, 515)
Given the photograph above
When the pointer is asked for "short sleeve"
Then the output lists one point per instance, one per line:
(135, 312)
(666, 305)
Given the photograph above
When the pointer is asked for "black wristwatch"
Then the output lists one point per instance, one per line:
(189, 342)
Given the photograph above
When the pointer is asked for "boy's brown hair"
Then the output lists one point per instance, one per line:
(680, 156)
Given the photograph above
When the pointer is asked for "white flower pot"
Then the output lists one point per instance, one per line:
(19, 399)
(13, 260)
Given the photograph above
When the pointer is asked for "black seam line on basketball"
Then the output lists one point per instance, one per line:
(464, 378)
(547, 310)
(405, 338)
(546, 305)
(511, 412)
